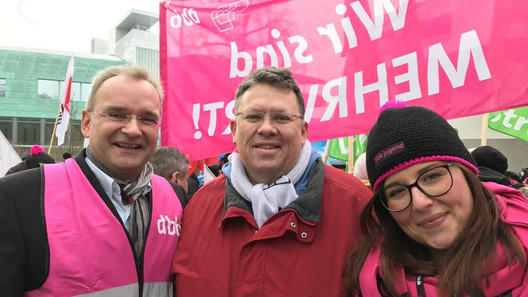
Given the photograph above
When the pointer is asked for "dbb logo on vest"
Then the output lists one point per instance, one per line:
(166, 226)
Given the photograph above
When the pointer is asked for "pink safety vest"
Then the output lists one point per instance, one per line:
(90, 253)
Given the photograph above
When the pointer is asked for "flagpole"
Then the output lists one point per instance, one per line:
(327, 151)
(484, 129)
(54, 128)
(351, 154)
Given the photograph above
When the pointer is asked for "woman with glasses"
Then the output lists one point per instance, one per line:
(432, 228)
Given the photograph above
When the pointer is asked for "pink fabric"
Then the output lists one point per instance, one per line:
(428, 53)
(422, 160)
(513, 207)
(165, 223)
(89, 248)
(36, 149)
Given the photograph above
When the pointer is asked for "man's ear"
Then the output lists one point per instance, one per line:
(304, 130)
(174, 177)
(232, 125)
(85, 123)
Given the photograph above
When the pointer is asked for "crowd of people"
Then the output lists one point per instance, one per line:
(421, 216)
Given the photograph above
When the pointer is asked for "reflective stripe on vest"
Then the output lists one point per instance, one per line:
(150, 289)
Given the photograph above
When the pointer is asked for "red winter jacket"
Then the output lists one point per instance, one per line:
(299, 251)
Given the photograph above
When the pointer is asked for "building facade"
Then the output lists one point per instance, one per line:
(31, 82)
(30, 91)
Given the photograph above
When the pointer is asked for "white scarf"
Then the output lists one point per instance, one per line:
(267, 199)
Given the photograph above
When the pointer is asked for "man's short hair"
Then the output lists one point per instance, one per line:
(131, 71)
(272, 76)
(167, 160)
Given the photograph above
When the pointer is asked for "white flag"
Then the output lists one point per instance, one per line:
(8, 155)
(64, 115)
(208, 174)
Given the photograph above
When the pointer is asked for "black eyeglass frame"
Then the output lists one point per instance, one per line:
(383, 199)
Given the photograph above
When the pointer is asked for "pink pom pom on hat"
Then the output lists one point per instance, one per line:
(36, 149)
(391, 104)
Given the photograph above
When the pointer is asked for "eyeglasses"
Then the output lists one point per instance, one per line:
(434, 182)
(277, 117)
(150, 121)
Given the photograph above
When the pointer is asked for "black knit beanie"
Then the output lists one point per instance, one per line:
(488, 156)
(34, 161)
(404, 136)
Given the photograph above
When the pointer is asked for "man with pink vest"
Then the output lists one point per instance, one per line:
(101, 224)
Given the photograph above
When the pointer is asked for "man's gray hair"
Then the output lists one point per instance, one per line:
(131, 71)
(167, 160)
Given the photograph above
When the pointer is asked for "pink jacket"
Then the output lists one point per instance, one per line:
(510, 278)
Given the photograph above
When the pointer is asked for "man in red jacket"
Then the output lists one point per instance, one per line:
(279, 222)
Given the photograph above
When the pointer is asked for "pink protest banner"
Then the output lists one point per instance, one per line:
(459, 58)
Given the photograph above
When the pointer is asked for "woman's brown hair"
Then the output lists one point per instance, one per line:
(455, 270)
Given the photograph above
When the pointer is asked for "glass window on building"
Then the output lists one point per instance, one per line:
(73, 138)
(2, 87)
(48, 129)
(28, 131)
(85, 91)
(79, 91)
(6, 126)
(75, 90)
(48, 89)
(76, 137)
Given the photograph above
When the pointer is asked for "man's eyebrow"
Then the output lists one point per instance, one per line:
(123, 109)
(115, 109)
(151, 113)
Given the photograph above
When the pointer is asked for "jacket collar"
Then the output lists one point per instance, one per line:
(308, 205)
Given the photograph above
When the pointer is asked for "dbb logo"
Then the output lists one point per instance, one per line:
(189, 16)
(166, 226)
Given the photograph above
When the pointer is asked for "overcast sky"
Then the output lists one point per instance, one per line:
(63, 25)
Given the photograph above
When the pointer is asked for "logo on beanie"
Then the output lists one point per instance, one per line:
(390, 151)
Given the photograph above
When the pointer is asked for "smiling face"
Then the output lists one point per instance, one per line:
(268, 150)
(434, 221)
(123, 147)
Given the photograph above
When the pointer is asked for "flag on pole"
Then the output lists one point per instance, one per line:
(64, 115)
(8, 155)
(360, 145)
(339, 147)
(511, 122)
(208, 174)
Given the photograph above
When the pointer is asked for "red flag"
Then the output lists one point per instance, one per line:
(202, 163)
